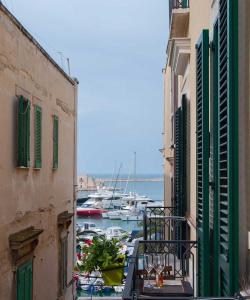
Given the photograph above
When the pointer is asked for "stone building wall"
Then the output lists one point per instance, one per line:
(28, 196)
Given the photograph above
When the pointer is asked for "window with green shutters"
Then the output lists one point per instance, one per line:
(202, 162)
(23, 140)
(227, 179)
(24, 278)
(55, 141)
(38, 137)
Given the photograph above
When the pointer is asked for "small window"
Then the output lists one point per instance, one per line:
(24, 281)
(63, 264)
(38, 137)
(23, 153)
(55, 141)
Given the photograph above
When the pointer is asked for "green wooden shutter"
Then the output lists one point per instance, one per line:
(228, 147)
(38, 137)
(178, 160)
(64, 263)
(178, 169)
(180, 166)
(24, 281)
(184, 157)
(55, 142)
(23, 155)
(215, 211)
(202, 162)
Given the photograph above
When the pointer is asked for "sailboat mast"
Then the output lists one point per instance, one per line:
(134, 172)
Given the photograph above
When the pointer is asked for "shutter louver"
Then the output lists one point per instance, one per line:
(178, 161)
(227, 147)
(64, 263)
(38, 137)
(202, 162)
(180, 166)
(55, 142)
(215, 210)
(24, 281)
(23, 155)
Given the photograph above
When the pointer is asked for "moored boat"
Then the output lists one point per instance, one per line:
(89, 209)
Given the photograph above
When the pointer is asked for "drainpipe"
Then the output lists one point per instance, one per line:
(75, 173)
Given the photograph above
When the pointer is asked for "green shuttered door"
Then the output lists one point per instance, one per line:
(202, 162)
(23, 155)
(24, 281)
(227, 148)
(38, 137)
(55, 142)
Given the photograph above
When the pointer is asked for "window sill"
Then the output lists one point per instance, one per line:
(22, 167)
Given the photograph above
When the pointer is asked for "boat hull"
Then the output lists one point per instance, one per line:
(132, 218)
(90, 212)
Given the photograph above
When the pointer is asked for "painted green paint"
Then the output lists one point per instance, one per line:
(215, 83)
(185, 3)
(64, 264)
(178, 160)
(38, 137)
(228, 148)
(24, 281)
(23, 153)
(180, 166)
(202, 163)
(55, 141)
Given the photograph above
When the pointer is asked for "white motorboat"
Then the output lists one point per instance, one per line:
(116, 214)
(116, 232)
(90, 208)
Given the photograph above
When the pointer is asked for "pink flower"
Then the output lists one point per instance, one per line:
(75, 277)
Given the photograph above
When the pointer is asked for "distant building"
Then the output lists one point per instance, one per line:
(206, 137)
(37, 169)
(86, 183)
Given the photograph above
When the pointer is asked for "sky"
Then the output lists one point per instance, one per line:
(117, 49)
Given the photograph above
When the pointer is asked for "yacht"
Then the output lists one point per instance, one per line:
(116, 232)
(90, 208)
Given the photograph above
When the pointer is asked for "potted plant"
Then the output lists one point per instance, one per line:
(104, 255)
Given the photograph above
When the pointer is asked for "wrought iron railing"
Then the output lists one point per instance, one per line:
(160, 223)
(163, 234)
(179, 256)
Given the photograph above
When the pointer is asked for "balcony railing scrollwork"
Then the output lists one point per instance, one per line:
(165, 236)
(161, 223)
(179, 267)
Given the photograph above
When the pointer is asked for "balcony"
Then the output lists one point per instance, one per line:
(162, 236)
(178, 270)
(178, 18)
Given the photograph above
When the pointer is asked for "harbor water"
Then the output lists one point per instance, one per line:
(151, 189)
